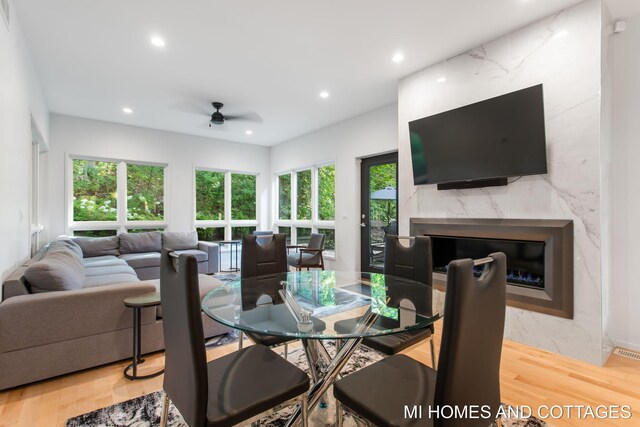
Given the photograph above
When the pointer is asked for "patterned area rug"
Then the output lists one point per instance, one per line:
(145, 411)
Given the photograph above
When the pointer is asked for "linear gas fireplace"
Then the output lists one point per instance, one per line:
(539, 256)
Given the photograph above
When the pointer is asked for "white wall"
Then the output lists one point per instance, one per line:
(20, 97)
(625, 295)
(606, 179)
(569, 69)
(182, 153)
(372, 133)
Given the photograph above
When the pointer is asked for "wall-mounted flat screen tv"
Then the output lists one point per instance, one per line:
(496, 138)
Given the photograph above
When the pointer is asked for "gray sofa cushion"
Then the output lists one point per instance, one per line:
(98, 246)
(59, 270)
(179, 240)
(146, 259)
(140, 242)
(109, 269)
(68, 243)
(102, 261)
(109, 279)
(201, 256)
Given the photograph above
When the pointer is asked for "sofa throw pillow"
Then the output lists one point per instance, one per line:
(98, 246)
(59, 270)
(70, 244)
(179, 240)
(133, 243)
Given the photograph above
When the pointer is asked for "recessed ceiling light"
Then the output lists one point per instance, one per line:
(249, 132)
(398, 57)
(442, 80)
(324, 94)
(157, 41)
(127, 110)
(560, 34)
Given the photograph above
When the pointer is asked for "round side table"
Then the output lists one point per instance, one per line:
(232, 244)
(137, 303)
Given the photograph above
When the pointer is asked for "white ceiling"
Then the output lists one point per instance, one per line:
(272, 58)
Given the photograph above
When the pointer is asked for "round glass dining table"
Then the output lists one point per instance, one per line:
(318, 305)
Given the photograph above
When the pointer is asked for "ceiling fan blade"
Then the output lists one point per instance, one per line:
(250, 117)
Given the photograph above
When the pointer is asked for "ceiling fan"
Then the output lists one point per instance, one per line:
(217, 118)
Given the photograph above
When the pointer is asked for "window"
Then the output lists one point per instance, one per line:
(284, 196)
(95, 233)
(306, 205)
(145, 193)
(287, 232)
(209, 195)
(116, 195)
(210, 234)
(329, 238)
(238, 232)
(327, 193)
(143, 230)
(303, 195)
(225, 204)
(303, 235)
(95, 191)
(243, 196)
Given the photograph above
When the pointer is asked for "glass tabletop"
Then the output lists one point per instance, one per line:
(325, 304)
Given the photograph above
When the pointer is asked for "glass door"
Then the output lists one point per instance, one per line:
(379, 208)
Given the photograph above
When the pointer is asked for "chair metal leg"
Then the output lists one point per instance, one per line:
(240, 340)
(339, 414)
(433, 354)
(164, 414)
(304, 403)
(286, 350)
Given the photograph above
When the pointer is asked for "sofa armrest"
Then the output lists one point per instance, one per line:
(212, 251)
(39, 319)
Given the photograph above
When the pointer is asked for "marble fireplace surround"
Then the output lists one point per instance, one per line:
(562, 52)
(556, 298)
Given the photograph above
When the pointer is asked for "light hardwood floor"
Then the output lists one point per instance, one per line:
(529, 377)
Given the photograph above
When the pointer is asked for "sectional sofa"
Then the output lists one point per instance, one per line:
(63, 311)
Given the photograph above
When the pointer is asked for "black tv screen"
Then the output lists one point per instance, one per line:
(496, 138)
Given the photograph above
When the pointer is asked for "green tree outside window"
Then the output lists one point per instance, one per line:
(209, 195)
(95, 190)
(327, 193)
(284, 196)
(304, 195)
(145, 193)
(243, 196)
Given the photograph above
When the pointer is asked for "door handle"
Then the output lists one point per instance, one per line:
(363, 225)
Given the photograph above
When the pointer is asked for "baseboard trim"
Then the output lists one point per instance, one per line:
(626, 345)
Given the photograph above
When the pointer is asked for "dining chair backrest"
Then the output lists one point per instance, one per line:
(263, 237)
(469, 362)
(412, 262)
(185, 374)
(262, 259)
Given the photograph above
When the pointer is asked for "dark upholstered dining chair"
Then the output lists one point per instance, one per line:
(263, 237)
(468, 367)
(262, 258)
(230, 389)
(413, 263)
(309, 256)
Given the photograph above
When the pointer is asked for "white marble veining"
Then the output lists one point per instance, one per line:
(563, 53)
